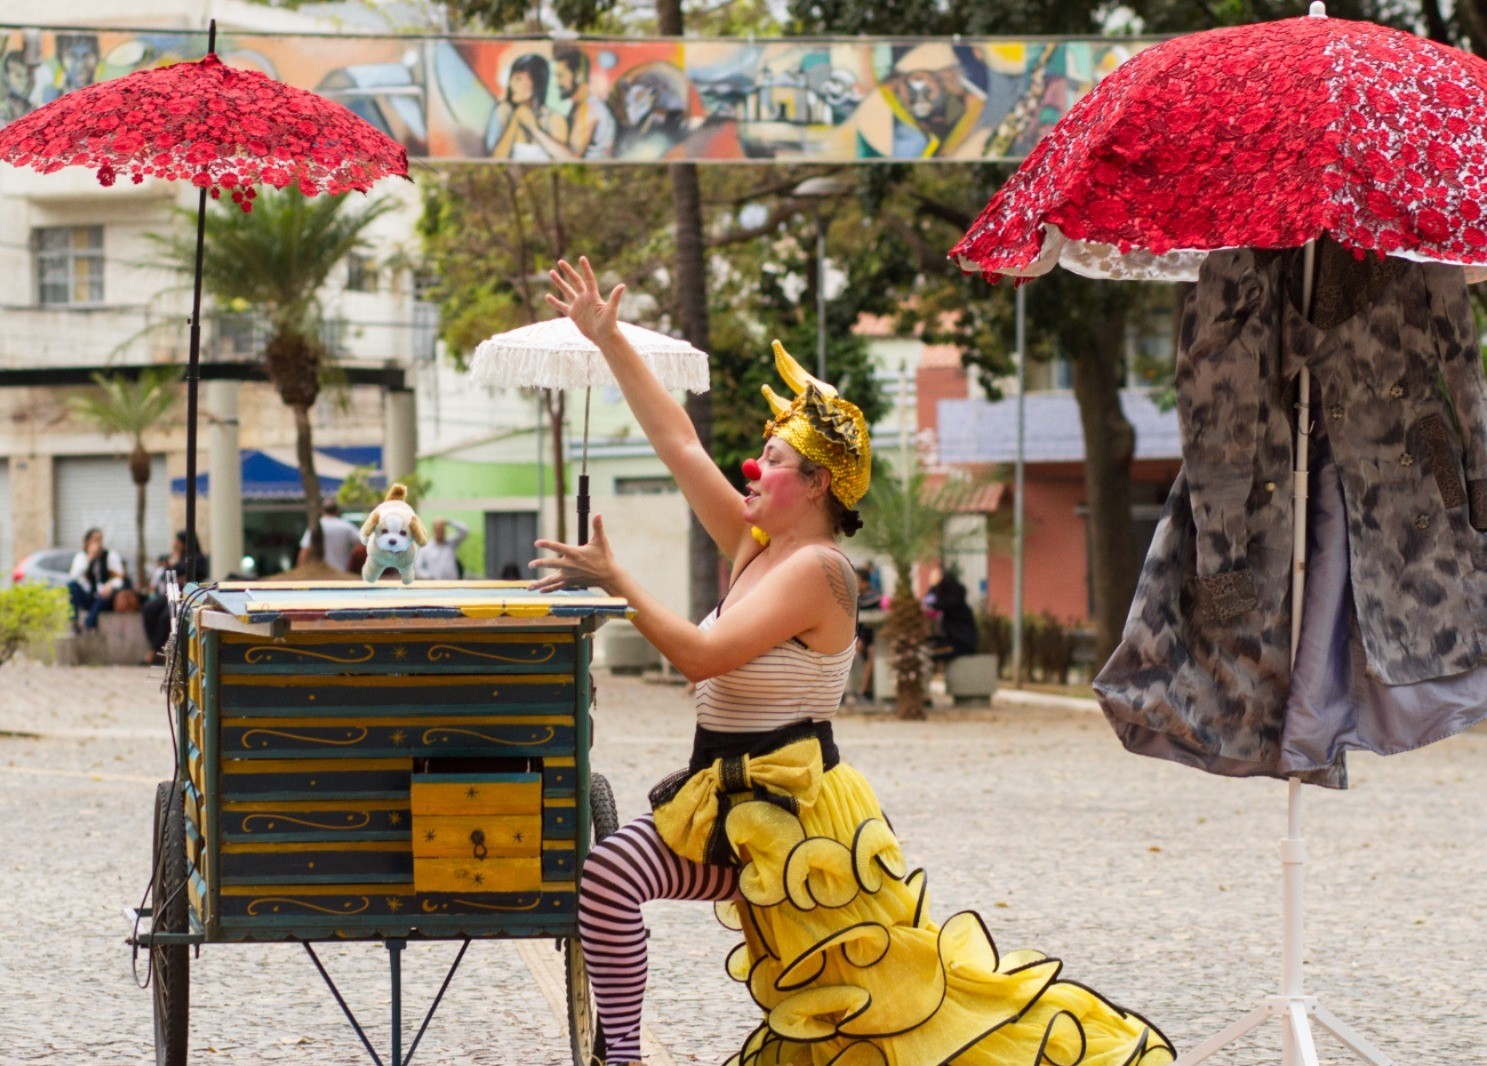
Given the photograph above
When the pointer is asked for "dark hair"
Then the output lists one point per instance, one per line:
(330, 506)
(535, 67)
(572, 57)
(845, 521)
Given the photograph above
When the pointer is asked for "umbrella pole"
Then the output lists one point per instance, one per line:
(193, 376)
(583, 476)
(193, 360)
(1293, 1007)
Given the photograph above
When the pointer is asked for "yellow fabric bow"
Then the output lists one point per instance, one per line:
(686, 821)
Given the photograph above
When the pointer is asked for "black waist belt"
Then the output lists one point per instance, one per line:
(709, 745)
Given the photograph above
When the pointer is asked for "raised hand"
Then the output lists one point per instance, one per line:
(596, 318)
(588, 565)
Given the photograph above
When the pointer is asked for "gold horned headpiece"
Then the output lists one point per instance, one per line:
(823, 427)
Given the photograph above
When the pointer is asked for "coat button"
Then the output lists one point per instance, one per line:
(1337, 410)
(1406, 459)
(1422, 522)
(1397, 391)
(1269, 486)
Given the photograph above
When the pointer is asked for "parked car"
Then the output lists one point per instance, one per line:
(49, 566)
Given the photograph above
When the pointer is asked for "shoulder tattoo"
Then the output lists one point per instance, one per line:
(837, 570)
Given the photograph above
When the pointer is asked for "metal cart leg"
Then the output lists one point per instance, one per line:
(395, 948)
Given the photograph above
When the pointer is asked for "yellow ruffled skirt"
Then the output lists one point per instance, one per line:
(839, 953)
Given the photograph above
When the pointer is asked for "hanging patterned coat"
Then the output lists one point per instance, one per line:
(1203, 670)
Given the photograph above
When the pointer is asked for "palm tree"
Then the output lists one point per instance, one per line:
(905, 520)
(276, 258)
(132, 408)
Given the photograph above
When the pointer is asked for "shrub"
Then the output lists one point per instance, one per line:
(30, 613)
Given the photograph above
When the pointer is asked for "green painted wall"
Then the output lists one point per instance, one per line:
(452, 480)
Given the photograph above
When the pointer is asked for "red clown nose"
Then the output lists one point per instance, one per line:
(751, 469)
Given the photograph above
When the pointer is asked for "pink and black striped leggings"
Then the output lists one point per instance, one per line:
(624, 870)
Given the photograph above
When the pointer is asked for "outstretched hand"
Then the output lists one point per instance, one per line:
(596, 318)
(588, 565)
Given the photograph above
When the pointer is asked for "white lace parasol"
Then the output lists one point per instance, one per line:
(554, 355)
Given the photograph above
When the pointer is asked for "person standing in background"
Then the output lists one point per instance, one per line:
(438, 560)
(341, 537)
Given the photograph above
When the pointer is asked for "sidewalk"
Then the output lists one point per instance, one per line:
(1158, 885)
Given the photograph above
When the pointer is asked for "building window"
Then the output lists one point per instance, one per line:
(644, 486)
(69, 265)
(361, 273)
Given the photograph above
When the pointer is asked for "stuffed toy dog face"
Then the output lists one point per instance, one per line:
(393, 535)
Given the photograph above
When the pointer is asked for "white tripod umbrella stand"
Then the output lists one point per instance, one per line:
(555, 355)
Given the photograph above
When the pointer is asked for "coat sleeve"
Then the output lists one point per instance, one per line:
(1460, 351)
(1219, 392)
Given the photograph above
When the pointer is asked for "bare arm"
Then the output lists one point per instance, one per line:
(804, 594)
(717, 504)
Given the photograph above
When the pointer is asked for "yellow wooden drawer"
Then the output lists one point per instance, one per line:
(472, 875)
(477, 836)
(460, 794)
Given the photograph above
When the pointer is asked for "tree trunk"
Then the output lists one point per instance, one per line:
(907, 634)
(139, 471)
(304, 448)
(691, 305)
(691, 299)
(1109, 448)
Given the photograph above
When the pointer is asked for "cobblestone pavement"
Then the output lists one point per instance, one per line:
(1158, 885)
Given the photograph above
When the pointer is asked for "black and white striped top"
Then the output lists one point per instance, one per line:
(788, 683)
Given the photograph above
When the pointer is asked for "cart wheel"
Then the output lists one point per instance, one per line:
(583, 1023)
(170, 963)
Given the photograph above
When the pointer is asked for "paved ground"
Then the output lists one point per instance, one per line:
(1158, 885)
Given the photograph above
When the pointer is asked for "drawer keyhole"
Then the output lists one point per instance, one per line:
(477, 839)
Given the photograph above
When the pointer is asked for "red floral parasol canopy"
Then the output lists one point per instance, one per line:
(1256, 136)
(216, 126)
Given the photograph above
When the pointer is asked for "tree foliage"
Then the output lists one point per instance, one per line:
(131, 408)
(275, 259)
(31, 613)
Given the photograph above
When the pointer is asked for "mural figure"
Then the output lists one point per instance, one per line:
(77, 58)
(20, 84)
(519, 119)
(936, 108)
(650, 101)
(592, 128)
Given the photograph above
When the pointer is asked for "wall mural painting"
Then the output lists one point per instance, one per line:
(633, 100)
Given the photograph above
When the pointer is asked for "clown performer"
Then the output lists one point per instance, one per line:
(768, 821)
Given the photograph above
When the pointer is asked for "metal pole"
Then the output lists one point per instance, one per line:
(1293, 848)
(1019, 525)
(904, 472)
(395, 956)
(821, 221)
(193, 361)
(583, 477)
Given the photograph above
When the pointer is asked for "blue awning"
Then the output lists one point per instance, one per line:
(273, 473)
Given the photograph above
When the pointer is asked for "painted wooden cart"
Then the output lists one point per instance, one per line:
(376, 762)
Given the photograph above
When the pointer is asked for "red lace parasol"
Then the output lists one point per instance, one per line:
(1257, 136)
(216, 126)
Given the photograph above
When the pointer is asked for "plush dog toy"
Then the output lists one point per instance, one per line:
(393, 535)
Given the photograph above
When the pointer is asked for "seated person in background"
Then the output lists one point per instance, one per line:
(868, 599)
(438, 559)
(341, 537)
(958, 634)
(96, 576)
(155, 611)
